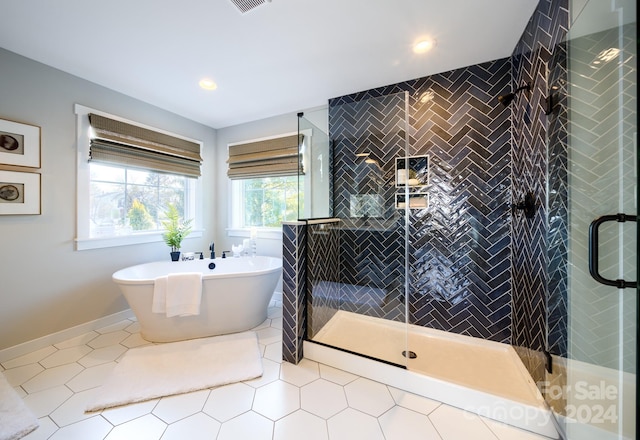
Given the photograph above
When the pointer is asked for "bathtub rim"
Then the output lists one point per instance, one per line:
(205, 275)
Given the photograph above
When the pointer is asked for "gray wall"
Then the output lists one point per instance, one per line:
(46, 286)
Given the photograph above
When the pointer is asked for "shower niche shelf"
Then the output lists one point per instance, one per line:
(412, 171)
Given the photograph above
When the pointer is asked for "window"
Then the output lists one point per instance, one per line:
(123, 203)
(265, 202)
(265, 177)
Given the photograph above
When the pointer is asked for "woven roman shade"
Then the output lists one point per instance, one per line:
(118, 143)
(268, 158)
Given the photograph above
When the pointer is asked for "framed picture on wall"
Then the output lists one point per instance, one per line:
(19, 144)
(412, 171)
(19, 193)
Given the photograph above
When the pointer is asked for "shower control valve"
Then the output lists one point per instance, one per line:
(528, 205)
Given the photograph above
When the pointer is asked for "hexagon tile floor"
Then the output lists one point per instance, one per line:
(309, 401)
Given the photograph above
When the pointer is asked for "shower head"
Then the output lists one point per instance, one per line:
(506, 99)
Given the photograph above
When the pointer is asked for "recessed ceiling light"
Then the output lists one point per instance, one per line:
(208, 84)
(424, 45)
(608, 54)
(426, 96)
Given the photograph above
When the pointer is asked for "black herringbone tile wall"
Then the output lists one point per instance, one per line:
(294, 314)
(371, 244)
(545, 30)
(459, 246)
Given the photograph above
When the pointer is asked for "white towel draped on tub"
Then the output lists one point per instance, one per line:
(177, 294)
(159, 304)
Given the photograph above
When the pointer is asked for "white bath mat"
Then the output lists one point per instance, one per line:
(180, 367)
(16, 420)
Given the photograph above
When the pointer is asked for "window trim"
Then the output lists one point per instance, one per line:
(83, 241)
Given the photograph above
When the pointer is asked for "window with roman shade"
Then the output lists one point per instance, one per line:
(118, 143)
(266, 158)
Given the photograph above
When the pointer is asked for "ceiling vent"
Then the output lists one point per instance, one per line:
(247, 5)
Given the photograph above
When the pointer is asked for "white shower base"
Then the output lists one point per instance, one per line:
(480, 376)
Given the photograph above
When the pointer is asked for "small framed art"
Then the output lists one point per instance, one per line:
(19, 144)
(19, 193)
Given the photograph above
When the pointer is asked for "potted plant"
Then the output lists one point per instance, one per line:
(175, 230)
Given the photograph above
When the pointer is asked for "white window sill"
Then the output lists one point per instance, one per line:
(267, 233)
(126, 240)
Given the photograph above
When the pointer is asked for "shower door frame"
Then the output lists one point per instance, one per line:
(572, 374)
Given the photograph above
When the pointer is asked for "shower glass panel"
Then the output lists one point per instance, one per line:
(593, 326)
(356, 267)
(314, 183)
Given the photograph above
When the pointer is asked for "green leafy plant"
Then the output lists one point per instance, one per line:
(139, 217)
(175, 230)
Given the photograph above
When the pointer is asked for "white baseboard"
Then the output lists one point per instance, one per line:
(55, 338)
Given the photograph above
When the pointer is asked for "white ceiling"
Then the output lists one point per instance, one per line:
(283, 56)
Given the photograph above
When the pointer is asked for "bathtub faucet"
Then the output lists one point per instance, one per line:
(212, 248)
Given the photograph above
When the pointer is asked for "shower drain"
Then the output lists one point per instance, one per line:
(409, 354)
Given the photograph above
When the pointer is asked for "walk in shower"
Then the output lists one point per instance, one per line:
(411, 265)
(453, 237)
(406, 270)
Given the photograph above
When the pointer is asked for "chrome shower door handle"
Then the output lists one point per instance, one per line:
(593, 250)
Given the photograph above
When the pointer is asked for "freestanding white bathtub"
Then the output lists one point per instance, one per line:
(235, 296)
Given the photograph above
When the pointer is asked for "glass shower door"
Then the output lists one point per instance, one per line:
(356, 262)
(592, 388)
